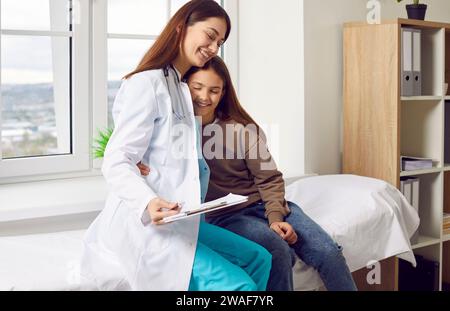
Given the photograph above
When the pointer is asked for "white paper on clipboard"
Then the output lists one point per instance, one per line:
(223, 202)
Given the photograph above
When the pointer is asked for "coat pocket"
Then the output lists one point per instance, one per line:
(158, 238)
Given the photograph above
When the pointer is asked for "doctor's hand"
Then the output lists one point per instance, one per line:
(145, 170)
(285, 231)
(159, 208)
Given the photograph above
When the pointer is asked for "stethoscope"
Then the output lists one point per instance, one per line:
(178, 105)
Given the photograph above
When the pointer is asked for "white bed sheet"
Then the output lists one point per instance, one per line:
(49, 261)
(368, 217)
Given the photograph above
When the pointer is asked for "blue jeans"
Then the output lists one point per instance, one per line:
(225, 261)
(314, 246)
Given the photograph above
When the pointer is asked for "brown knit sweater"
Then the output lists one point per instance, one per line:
(240, 163)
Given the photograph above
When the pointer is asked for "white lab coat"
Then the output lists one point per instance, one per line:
(123, 250)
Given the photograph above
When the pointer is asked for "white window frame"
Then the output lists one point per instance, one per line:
(18, 169)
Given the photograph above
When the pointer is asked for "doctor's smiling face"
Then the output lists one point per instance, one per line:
(203, 40)
(192, 36)
(207, 89)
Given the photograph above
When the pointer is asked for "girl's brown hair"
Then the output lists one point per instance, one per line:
(166, 47)
(229, 106)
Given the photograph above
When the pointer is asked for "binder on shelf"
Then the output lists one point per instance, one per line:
(415, 185)
(416, 61)
(407, 86)
(410, 187)
(406, 189)
(415, 193)
(408, 163)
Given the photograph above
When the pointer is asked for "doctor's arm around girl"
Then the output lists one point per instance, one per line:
(127, 247)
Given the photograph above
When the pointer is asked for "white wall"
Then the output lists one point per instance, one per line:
(323, 80)
(273, 61)
(270, 79)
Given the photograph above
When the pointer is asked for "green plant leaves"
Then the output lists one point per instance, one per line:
(100, 142)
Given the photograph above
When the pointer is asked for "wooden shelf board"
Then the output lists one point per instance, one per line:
(421, 172)
(420, 98)
(447, 97)
(424, 241)
(420, 23)
(446, 167)
(446, 237)
(402, 22)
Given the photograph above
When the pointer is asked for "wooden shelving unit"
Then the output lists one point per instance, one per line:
(380, 125)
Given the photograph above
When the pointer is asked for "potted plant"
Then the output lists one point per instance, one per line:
(416, 10)
(100, 142)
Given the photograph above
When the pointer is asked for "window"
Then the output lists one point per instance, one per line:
(43, 94)
(61, 64)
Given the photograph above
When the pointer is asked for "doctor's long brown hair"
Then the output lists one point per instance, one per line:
(167, 46)
(229, 106)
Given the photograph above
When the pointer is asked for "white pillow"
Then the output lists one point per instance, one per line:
(368, 217)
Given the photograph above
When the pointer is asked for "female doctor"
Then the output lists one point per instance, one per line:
(127, 246)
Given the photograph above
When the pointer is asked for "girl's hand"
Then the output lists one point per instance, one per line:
(159, 208)
(285, 231)
(145, 170)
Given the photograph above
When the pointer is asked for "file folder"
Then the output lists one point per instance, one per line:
(410, 187)
(407, 190)
(416, 66)
(407, 85)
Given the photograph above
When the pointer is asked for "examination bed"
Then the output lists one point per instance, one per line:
(369, 218)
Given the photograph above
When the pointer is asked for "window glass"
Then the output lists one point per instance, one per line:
(35, 15)
(123, 57)
(35, 76)
(145, 17)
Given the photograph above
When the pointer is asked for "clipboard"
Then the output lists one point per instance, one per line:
(224, 202)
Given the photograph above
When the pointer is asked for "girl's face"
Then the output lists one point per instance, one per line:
(206, 88)
(203, 40)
